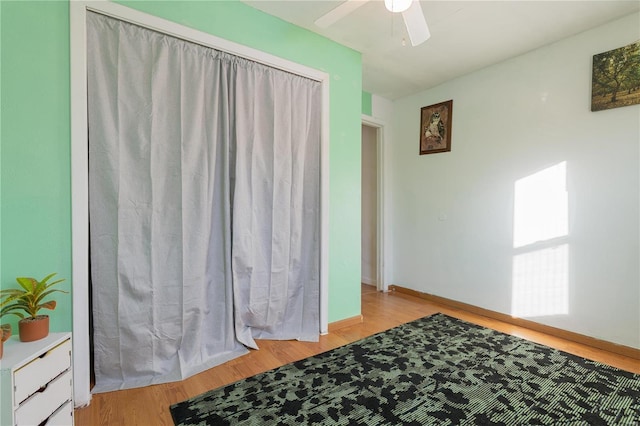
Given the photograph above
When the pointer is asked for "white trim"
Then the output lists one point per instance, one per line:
(379, 125)
(79, 206)
(79, 158)
(324, 210)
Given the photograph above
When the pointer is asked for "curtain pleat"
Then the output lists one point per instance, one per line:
(204, 205)
(276, 198)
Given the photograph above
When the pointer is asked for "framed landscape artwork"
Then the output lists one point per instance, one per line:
(615, 80)
(435, 128)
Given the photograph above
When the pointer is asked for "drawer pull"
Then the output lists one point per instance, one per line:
(44, 387)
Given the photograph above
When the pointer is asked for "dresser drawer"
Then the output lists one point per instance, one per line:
(36, 374)
(45, 402)
(62, 417)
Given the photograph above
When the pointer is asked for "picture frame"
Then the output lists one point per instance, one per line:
(435, 127)
(615, 78)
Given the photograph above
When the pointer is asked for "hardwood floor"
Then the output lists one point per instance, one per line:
(150, 405)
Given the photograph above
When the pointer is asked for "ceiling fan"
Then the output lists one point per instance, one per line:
(411, 13)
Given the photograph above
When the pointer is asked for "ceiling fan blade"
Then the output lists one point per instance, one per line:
(416, 24)
(339, 12)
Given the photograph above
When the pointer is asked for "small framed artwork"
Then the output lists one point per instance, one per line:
(435, 128)
(615, 78)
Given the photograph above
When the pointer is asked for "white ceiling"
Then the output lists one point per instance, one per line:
(465, 35)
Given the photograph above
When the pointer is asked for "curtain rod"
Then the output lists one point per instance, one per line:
(232, 48)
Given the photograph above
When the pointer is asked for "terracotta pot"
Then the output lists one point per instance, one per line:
(5, 333)
(31, 329)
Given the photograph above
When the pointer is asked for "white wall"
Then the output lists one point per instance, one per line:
(452, 214)
(369, 205)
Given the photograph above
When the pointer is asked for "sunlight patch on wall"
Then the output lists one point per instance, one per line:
(541, 206)
(540, 283)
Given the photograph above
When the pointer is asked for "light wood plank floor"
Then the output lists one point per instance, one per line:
(150, 405)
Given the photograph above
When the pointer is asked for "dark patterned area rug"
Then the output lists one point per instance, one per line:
(436, 370)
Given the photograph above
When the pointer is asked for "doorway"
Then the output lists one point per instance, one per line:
(369, 211)
(372, 202)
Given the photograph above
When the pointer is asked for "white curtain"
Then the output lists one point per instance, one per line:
(276, 199)
(204, 196)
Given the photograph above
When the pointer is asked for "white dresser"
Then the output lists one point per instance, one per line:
(36, 384)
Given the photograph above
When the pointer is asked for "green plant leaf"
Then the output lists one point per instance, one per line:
(26, 283)
(10, 310)
(10, 295)
(54, 283)
(29, 298)
(39, 298)
(45, 279)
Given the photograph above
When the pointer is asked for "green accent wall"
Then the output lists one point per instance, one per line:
(1, 148)
(36, 166)
(35, 160)
(366, 103)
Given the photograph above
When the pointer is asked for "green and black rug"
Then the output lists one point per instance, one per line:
(436, 370)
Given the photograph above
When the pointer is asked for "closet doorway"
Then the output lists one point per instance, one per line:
(79, 153)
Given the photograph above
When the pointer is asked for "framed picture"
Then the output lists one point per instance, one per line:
(435, 128)
(615, 79)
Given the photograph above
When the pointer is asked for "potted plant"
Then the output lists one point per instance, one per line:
(30, 299)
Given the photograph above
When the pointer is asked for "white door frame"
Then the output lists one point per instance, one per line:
(79, 163)
(379, 125)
